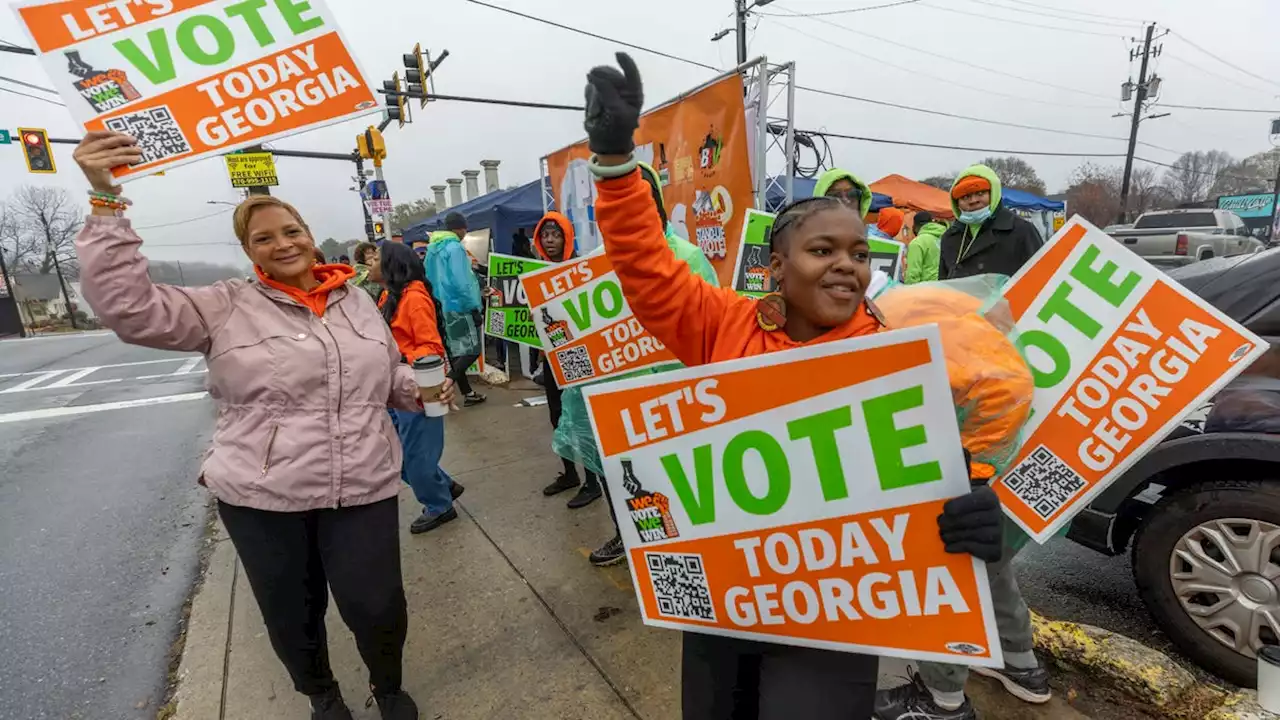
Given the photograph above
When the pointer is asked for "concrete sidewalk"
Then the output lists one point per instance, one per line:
(507, 618)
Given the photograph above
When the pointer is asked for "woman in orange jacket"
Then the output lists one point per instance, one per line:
(409, 308)
(821, 261)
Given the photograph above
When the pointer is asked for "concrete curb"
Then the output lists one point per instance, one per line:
(1148, 676)
(201, 673)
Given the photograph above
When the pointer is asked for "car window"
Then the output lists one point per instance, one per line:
(1176, 220)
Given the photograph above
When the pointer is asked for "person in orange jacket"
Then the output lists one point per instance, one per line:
(553, 240)
(821, 261)
(409, 308)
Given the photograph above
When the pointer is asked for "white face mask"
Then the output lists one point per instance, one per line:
(975, 217)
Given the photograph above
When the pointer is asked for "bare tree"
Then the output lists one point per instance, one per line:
(1147, 192)
(942, 182)
(1017, 173)
(1194, 173)
(406, 214)
(1254, 174)
(47, 222)
(1094, 193)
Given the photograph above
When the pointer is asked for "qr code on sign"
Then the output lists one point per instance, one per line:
(158, 133)
(575, 364)
(1044, 482)
(497, 323)
(680, 586)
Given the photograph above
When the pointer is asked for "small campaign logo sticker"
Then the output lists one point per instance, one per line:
(366, 105)
(964, 648)
(1240, 352)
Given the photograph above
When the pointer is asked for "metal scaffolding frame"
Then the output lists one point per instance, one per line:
(775, 102)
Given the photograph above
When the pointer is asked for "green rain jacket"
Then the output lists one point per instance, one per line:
(922, 254)
(829, 178)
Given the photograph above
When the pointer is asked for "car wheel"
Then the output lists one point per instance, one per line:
(1207, 564)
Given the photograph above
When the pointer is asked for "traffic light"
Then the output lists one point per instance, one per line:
(35, 147)
(416, 73)
(396, 109)
(371, 146)
(377, 228)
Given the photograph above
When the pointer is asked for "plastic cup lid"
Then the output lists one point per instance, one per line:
(427, 362)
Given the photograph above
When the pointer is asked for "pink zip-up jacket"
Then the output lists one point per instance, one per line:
(302, 400)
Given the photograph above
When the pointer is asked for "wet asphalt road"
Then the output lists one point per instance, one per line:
(100, 523)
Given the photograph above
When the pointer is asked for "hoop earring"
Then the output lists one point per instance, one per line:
(771, 312)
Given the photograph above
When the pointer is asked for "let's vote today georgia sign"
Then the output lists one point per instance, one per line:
(194, 78)
(1119, 354)
(793, 498)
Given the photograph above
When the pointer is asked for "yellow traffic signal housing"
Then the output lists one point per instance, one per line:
(36, 150)
(371, 146)
(415, 74)
(396, 100)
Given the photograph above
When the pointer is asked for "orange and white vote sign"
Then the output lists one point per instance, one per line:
(793, 498)
(585, 324)
(1119, 354)
(194, 78)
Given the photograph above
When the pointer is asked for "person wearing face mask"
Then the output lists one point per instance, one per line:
(821, 261)
(986, 237)
(304, 463)
(842, 185)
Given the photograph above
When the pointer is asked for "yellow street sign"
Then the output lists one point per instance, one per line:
(251, 169)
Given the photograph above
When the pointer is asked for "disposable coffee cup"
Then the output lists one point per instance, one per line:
(429, 372)
(1269, 678)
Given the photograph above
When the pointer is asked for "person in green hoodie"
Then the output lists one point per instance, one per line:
(922, 251)
(573, 439)
(987, 237)
(366, 255)
(844, 185)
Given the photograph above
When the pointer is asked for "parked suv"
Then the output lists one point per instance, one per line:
(1171, 238)
(1200, 512)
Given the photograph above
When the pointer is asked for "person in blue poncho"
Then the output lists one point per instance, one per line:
(455, 285)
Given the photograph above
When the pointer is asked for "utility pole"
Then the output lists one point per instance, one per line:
(740, 12)
(1138, 108)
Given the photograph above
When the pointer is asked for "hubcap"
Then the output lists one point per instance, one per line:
(1226, 574)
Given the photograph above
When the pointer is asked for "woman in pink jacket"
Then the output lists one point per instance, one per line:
(305, 463)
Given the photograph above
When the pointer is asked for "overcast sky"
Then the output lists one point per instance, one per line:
(493, 54)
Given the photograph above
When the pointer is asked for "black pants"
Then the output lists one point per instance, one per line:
(730, 679)
(293, 559)
(554, 406)
(459, 372)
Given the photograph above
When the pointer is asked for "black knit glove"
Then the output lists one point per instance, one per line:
(613, 107)
(973, 523)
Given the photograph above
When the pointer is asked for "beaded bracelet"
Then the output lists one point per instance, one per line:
(101, 199)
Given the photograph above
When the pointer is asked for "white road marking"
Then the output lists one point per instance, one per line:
(70, 380)
(187, 366)
(46, 413)
(39, 378)
(113, 365)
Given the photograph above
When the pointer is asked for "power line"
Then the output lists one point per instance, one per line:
(1206, 71)
(1043, 13)
(1019, 22)
(838, 12)
(1073, 10)
(1198, 172)
(33, 97)
(886, 141)
(27, 84)
(819, 91)
(1228, 63)
(1036, 81)
(184, 222)
(914, 72)
(1216, 109)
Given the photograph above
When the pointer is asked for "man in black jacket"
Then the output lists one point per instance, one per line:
(986, 237)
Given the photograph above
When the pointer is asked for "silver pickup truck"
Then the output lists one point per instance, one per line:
(1170, 238)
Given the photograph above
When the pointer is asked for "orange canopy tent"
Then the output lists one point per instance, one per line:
(912, 196)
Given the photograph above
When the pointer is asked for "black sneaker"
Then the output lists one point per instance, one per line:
(587, 494)
(913, 701)
(427, 522)
(563, 482)
(1028, 685)
(394, 706)
(611, 553)
(456, 490)
(472, 398)
(329, 706)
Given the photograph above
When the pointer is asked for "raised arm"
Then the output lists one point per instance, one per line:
(115, 282)
(681, 309)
